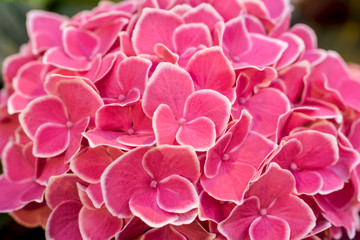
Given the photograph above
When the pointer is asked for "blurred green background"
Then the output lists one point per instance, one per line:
(336, 22)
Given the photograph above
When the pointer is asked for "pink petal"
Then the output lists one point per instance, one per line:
(230, 183)
(154, 26)
(236, 40)
(137, 139)
(191, 35)
(211, 104)
(166, 160)
(145, 207)
(56, 57)
(282, 181)
(269, 227)
(308, 182)
(236, 226)
(296, 213)
(165, 125)
(42, 110)
(63, 221)
(113, 117)
(98, 224)
(123, 179)
(61, 189)
(104, 138)
(48, 167)
(210, 69)
(199, 133)
(229, 9)
(31, 217)
(18, 102)
(132, 229)
(195, 231)
(82, 104)
(95, 194)
(14, 196)
(332, 182)
(75, 138)
(90, 163)
(212, 209)
(176, 194)
(306, 34)
(165, 54)
(166, 232)
(51, 139)
(295, 47)
(163, 87)
(203, 13)
(12, 64)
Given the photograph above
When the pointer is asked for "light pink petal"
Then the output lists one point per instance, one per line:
(203, 13)
(145, 207)
(230, 183)
(14, 196)
(51, 139)
(82, 104)
(191, 35)
(48, 167)
(295, 48)
(210, 69)
(229, 9)
(61, 189)
(268, 228)
(296, 213)
(63, 221)
(126, 44)
(166, 232)
(98, 224)
(169, 85)
(264, 51)
(42, 110)
(308, 182)
(165, 125)
(154, 26)
(124, 178)
(90, 163)
(15, 157)
(80, 44)
(166, 160)
(199, 133)
(278, 8)
(165, 54)
(12, 64)
(236, 226)
(236, 40)
(44, 29)
(176, 194)
(56, 57)
(254, 24)
(266, 107)
(104, 138)
(306, 34)
(18, 102)
(211, 104)
(325, 151)
(282, 182)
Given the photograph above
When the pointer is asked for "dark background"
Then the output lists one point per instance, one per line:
(336, 22)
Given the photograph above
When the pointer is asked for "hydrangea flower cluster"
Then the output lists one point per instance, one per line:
(180, 119)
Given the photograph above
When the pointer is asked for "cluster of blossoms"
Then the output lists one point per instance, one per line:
(180, 119)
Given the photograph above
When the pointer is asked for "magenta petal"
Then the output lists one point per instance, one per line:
(164, 87)
(137, 139)
(63, 221)
(212, 209)
(166, 160)
(211, 69)
(124, 178)
(104, 138)
(95, 194)
(308, 182)
(133, 228)
(48, 167)
(29, 79)
(268, 228)
(113, 117)
(55, 56)
(211, 104)
(199, 133)
(51, 139)
(145, 207)
(98, 224)
(296, 213)
(176, 194)
(236, 226)
(230, 183)
(165, 125)
(145, 35)
(332, 182)
(40, 111)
